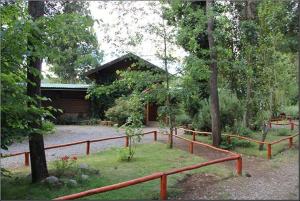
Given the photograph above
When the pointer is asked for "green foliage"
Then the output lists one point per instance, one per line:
(5, 172)
(47, 127)
(134, 123)
(182, 119)
(202, 121)
(241, 130)
(261, 118)
(282, 132)
(292, 111)
(231, 110)
(73, 46)
(120, 112)
(65, 164)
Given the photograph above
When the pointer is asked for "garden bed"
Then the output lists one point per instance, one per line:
(149, 158)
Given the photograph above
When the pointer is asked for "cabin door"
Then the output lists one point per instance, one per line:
(152, 112)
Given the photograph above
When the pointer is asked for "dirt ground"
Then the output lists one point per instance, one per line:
(276, 179)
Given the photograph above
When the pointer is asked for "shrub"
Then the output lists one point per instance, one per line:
(292, 111)
(202, 121)
(183, 119)
(119, 112)
(260, 119)
(231, 110)
(65, 164)
(224, 144)
(241, 143)
(239, 129)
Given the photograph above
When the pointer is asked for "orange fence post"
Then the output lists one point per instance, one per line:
(88, 147)
(228, 140)
(26, 154)
(126, 141)
(239, 166)
(155, 135)
(290, 142)
(269, 150)
(163, 187)
(191, 147)
(292, 126)
(270, 124)
(194, 136)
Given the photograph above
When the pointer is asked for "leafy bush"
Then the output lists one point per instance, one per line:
(202, 121)
(224, 144)
(239, 129)
(241, 143)
(182, 119)
(119, 112)
(231, 110)
(260, 119)
(292, 111)
(65, 164)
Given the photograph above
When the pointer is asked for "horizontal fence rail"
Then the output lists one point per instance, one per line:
(277, 120)
(229, 136)
(87, 142)
(162, 175)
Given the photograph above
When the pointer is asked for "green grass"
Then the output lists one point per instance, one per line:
(149, 158)
(252, 148)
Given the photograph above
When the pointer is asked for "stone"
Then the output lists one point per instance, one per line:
(72, 183)
(247, 174)
(83, 166)
(84, 177)
(52, 181)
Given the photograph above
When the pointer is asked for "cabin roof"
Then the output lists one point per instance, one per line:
(135, 58)
(59, 86)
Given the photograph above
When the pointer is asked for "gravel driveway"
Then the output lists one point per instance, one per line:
(68, 134)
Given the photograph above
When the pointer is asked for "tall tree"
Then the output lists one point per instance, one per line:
(194, 21)
(36, 142)
(74, 48)
(214, 98)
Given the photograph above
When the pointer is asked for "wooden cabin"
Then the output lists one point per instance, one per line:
(70, 98)
(106, 74)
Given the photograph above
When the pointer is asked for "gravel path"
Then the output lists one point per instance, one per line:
(277, 179)
(68, 134)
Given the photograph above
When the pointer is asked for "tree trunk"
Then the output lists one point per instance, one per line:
(214, 98)
(168, 104)
(36, 142)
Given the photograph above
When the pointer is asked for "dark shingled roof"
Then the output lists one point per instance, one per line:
(132, 56)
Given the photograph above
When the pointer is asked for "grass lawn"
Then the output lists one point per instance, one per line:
(149, 158)
(251, 148)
